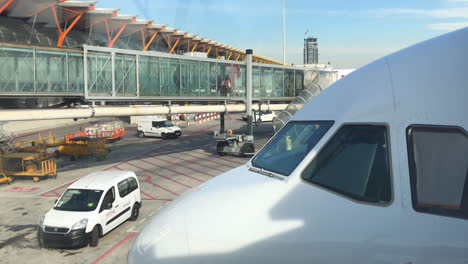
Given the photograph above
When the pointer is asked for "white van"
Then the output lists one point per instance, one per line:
(372, 170)
(157, 127)
(90, 208)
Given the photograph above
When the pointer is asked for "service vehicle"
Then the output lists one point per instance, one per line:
(372, 170)
(157, 127)
(33, 165)
(90, 208)
(261, 116)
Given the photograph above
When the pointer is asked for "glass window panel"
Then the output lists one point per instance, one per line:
(16, 70)
(51, 71)
(289, 83)
(149, 76)
(278, 80)
(355, 163)
(256, 81)
(299, 81)
(75, 73)
(213, 79)
(190, 78)
(292, 143)
(205, 79)
(222, 79)
(439, 169)
(99, 74)
(125, 75)
(170, 77)
(266, 82)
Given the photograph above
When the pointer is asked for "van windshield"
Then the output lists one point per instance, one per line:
(166, 123)
(292, 143)
(79, 200)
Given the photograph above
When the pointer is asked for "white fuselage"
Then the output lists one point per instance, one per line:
(252, 216)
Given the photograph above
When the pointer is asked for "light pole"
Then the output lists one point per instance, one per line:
(284, 34)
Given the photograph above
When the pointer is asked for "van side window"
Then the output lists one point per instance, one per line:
(354, 163)
(133, 184)
(155, 124)
(438, 163)
(108, 198)
(124, 188)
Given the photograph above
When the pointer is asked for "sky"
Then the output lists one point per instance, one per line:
(350, 33)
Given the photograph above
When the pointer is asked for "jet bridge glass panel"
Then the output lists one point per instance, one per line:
(125, 75)
(17, 70)
(355, 163)
(149, 76)
(289, 147)
(438, 162)
(99, 74)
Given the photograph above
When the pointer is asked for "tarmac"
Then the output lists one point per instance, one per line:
(165, 169)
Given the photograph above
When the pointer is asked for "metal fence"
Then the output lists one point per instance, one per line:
(106, 73)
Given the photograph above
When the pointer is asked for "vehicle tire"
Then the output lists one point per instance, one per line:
(141, 134)
(135, 212)
(247, 148)
(94, 237)
(40, 241)
(220, 148)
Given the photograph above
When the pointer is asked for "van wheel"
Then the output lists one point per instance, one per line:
(94, 237)
(135, 212)
(141, 134)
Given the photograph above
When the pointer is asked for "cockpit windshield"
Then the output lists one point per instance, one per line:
(292, 143)
(79, 200)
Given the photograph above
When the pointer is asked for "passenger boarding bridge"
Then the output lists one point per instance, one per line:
(107, 74)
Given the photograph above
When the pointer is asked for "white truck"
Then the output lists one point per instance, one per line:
(157, 127)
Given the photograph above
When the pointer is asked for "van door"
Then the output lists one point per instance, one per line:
(156, 128)
(107, 214)
(124, 200)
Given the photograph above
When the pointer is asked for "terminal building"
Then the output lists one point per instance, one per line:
(62, 51)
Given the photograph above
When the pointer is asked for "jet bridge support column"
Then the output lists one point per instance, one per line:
(248, 98)
(221, 125)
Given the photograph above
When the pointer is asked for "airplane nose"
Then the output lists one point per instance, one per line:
(163, 240)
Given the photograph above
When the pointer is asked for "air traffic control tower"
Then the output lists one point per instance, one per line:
(310, 50)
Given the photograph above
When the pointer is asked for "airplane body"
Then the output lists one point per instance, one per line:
(372, 170)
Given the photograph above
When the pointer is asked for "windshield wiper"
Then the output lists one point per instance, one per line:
(266, 173)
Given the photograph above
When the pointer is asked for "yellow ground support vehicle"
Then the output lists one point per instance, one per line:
(26, 164)
(41, 144)
(84, 146)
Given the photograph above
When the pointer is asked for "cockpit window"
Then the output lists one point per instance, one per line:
(438, 163)
(292, 143)
(355, 163)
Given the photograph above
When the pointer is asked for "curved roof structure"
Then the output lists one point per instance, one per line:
(80, 22)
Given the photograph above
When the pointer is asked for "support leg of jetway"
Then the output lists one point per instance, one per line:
(249, 125)
(248, 99)
(221, 125)
(239, 144)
